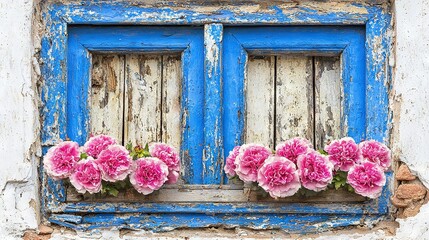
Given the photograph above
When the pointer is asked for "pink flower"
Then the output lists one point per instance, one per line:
(315, 171)
(115, 163)
(293, 148)
(376, 152)
(343, 153)
(279, 177)
(86, 176)
(60, 160)
(169, 156)
(230, 162)
(250, 158)
(96, 144)
(149, 174)
(172, 177)
(367, 179)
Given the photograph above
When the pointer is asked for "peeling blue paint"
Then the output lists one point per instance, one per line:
(59, 121)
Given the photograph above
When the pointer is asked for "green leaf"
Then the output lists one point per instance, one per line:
(114, 192)
(129, 146)
(337, 185)
(323, 152)
(146, 147)
(83, 155)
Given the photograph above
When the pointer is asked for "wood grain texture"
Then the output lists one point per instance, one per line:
(171, 100)
(143, 99)
(294, 98)
(107, 91)
(329, 95)
(259, 91)
(214, 194)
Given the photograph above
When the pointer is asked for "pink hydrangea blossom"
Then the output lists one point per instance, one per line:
(250, 158)
(86, 176)
(315, 171)
(279, 177)
(61, 159)
(167, 154)
(149, 174)
(343, 153)
(293, 148)
(230, 162)
(96, 144)
(376, 152)
(367, 179)
(115, 163)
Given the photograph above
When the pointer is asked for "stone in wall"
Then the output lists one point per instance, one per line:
(410, 195)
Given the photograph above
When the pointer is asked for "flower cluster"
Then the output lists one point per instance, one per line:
(102, 161)
(295, 164)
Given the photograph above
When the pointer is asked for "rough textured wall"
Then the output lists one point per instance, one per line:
(412, 85)
(18, 124)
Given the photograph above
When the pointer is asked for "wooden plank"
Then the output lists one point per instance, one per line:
(294, 98)
(107, 93)
(213, 152)
(329, 95)
(259, 91)
(215, 194)
(143, 99)
(171, 100)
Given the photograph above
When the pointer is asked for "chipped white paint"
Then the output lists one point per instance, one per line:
(107, 95)
(294, 111)
(259, 84)
(171, 104)
(328, 99)
(143, 99)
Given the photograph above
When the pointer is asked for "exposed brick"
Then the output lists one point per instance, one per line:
(404, 174)
(30, 235)
(400, 203)
(43, 229)
(411, 191)
(412, 210)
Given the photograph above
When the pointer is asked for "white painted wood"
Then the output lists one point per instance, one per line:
(107, 91)
(214, 194)
(329, 95)
(143, 99)
(294, 98)
(171, 104)
(259, 91)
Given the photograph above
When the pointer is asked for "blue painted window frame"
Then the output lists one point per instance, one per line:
(295, 217)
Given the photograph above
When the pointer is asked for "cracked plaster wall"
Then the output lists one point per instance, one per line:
(18, 121)
(19, 125)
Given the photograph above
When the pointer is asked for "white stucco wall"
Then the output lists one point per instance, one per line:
(18, 124)
(19, 118)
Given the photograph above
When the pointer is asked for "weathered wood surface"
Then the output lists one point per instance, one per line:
(329, 95)
(107, 93)
(143, 99)
(136, 98)
(294, 105)
(214, 194)
(293, 95)
(259, 88)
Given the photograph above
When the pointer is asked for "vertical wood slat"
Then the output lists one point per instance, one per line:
(294, 93)
(143, 99)
(329, 95)
(259, 89)
(107, 91)
(171, 99)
